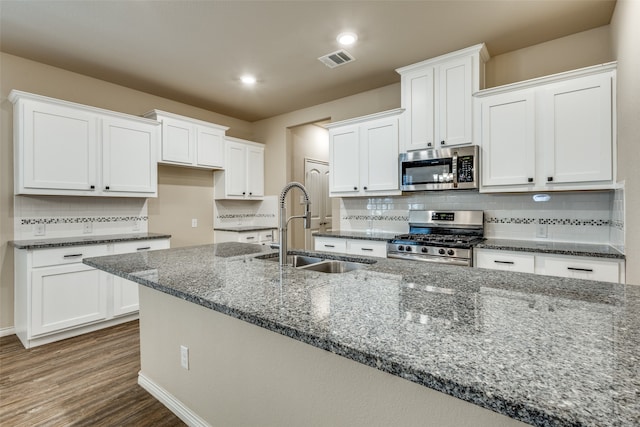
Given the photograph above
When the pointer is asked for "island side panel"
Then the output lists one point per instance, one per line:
(241, 374)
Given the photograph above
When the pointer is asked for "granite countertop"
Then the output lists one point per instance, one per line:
(241, 228)
(361, 235)
(548, 351)
(560, 248)
(59, 242)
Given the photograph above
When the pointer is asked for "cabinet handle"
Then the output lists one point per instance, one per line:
(442, 142)
(244, 193)
(429, 144)
(503, 262)
(144, 248)
(549, 178)
(529, 179)
(367, 249)
(93, 187)
(106, 188)
(355, 188)
(588, 270)
(329, 246)
(269, 236)
(72, 256)
(365, 187)
(250, 238)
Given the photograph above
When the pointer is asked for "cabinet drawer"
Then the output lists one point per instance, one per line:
(267, 236)
(325, 244)
(367, 247)
(502, 260)
(249, 237)
(580, 268)
(140, 245)
(66, 255)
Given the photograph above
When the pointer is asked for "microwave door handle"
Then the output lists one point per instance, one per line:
(454, 169)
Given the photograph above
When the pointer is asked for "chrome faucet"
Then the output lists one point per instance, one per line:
(284, 221)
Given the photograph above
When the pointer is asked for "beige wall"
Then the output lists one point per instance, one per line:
(184, 193)
(626, 45)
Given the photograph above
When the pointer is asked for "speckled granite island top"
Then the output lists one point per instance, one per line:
(547, 351)
(558, 248)
(58, 242)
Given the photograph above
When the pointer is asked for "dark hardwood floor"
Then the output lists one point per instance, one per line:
(90, 380)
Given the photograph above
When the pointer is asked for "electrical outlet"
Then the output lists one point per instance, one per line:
(541, 230)
(184, 357)
(136, 225)
(87, 227)
(194, 222)
(38, 230)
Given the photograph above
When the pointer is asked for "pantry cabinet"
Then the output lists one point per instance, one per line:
(363, 155)
(579, 267)
(437, 96)
(57, 296)
(550, 134)
(190, 142)
(62, 148)
(243, 177)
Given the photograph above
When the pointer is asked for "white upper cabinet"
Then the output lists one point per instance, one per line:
(549, 134)
(62, 148)
(190, 142)
(437, 95)
(363, 155)
(243, 177)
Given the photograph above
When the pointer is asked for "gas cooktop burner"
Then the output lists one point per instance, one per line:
(437, 239)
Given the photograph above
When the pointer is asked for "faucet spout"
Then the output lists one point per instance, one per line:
(284, 221)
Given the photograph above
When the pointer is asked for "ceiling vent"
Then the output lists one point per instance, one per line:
(337, 58)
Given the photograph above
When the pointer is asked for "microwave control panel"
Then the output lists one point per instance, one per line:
(465, 169)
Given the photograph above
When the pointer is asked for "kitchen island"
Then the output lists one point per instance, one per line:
(392, 343)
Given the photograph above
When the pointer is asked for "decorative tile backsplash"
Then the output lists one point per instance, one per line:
(586, 217)
(77, 216)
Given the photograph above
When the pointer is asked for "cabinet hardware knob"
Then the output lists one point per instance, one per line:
(250, 193)
(428, 144)
(529, 179)
(244, 193)
(364, 188)
(355, 188)
(106, 188)
(93, 187)
(549, 178)
(441, 142)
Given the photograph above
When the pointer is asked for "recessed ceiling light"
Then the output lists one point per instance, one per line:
(347, 39)
(248, 80)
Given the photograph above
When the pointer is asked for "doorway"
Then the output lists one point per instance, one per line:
(316, 180)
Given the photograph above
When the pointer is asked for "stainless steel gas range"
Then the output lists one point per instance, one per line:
(439, 236)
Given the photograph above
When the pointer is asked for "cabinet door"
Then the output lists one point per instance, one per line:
(255, 172)
(125, 296)
(57, 148)
(379, 155)
(66, 296)
(576, 130)
(418, 99)
(177, 142)
(129, 165)
(209, 147)
(344, 157)
(455, 102)
(508, 139)
(580, 268)
(236, 169)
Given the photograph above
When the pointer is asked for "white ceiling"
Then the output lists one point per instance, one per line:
(194, 51)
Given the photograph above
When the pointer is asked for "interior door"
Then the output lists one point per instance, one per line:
(316, 175)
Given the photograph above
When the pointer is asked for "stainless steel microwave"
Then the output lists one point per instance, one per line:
(440, 169)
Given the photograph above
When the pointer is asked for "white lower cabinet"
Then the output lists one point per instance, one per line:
(578, 267)
(57, 296)
(375, 248)
(261, 237)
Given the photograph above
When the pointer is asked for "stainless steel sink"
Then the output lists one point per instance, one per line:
(323, 265)
(333, 266)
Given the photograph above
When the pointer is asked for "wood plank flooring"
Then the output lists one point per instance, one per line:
(90, 380)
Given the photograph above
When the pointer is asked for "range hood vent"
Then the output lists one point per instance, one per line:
(337, 58)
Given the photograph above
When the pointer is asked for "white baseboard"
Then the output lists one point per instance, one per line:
(7, 331)
(173, 404)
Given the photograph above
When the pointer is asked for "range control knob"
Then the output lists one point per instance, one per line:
(441, 251)
(425, 249)
(408, 249)
(400, 248)
(450, 252)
